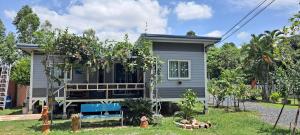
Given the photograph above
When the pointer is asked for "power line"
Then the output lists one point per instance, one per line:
(249, 13)
(257, 13)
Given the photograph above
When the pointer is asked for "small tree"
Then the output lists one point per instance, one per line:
(188, 103)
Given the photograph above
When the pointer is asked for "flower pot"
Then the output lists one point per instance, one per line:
(287, 102)
(24, 110)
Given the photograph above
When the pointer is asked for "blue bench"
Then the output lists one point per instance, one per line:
(103, 109)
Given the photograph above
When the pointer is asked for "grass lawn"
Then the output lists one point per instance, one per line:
(277, 105)
(293, 105)
(224, 123)
(11, 111)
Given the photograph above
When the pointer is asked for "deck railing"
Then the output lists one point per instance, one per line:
(73, 87)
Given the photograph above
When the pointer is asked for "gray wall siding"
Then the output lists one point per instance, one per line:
(39, 83)
(39, 77)
(171, 51)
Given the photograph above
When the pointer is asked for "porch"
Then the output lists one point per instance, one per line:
(99, 91)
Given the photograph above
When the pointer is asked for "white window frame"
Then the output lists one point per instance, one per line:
(179, 78)
(71, 72)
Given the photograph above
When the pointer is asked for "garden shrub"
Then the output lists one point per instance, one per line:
(253, 94)
(188, 104)
(135, 109)
(275, 96)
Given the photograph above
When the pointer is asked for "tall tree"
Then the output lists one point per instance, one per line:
(26, 22)
(225, 57)
(261, 60)
(2, 32)
(191, 33)
(8, 51)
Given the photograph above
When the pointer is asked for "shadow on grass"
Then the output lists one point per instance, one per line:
(270, 130)
(16, 112)
(230, 109)
(66, 125)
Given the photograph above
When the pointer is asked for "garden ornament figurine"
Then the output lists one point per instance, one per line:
(45, 119)
(144, 122)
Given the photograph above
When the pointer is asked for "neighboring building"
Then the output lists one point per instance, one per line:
(184, 67)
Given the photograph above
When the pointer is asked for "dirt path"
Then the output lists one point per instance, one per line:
(20, 117)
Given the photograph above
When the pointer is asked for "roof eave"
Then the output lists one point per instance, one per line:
(181, 39)
(28, 48)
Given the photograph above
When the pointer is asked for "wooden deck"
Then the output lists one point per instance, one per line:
(101, 91)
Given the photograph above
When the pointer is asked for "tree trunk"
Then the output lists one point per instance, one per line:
(296, 120)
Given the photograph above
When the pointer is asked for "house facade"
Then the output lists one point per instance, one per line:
(184, 67)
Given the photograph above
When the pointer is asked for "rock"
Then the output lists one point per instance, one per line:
(187, 126)
(184, 121)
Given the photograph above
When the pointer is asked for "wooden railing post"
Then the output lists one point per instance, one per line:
(106, 91)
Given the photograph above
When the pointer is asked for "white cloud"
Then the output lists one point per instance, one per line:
(10, 14)
(191, 10)
(110, 19)
(243, 35)
(215, 33)
(278, 4)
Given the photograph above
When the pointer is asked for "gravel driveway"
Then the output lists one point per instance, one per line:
(270, 114)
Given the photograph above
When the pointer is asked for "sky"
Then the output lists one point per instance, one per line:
(113, 18)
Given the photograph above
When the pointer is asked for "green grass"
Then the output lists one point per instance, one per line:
(224, 123)
(277, 105)
(11, 111)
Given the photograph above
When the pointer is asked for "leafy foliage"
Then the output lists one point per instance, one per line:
(188, 104)
(135, 109)
(2, 32)
(219, 59)
(8, 51)
(20, 72)
(275, 96)
(26, 22)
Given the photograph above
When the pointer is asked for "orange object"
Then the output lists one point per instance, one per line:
(144, 122)
(45, 118)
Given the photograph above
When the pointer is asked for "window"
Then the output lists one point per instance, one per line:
(179, 69)
(59, 72)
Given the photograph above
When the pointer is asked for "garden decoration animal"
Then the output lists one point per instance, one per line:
(144, 122)
(75, 122)
(45, 119)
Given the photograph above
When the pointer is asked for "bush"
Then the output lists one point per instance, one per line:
(275, 96)
(135, 109)
(188, 104)
(253, 94)
(21, 71)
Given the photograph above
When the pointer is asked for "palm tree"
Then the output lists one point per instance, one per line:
(260, 58)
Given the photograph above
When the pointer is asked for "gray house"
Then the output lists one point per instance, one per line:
(184, 66)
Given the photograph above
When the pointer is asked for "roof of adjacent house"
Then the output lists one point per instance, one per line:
(181, 38)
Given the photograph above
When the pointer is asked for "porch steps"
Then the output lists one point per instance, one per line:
(4, 82)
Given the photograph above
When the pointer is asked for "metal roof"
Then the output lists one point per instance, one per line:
(28, 47)
(181, 38)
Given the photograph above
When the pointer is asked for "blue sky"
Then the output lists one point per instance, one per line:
(112, 19)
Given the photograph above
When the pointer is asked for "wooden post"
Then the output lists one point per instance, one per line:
(106, 91)
(65, 96)
(31, 85)
(296, 120)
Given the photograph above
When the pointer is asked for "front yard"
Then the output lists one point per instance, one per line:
(225, 123)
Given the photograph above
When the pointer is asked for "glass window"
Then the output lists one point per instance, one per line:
(173, 69)
(179, 69)
(59, 73)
